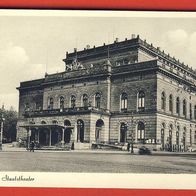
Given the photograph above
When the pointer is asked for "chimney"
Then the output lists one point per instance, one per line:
(87, 46)
(116, 40)
(133, 36)
(75, 49)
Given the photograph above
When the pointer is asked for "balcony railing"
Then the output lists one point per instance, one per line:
(64, 111)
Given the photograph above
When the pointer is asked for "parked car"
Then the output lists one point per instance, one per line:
(144, 151)
(191, 149)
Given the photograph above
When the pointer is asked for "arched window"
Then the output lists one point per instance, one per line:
(123, 132)
(98, 130)
(50, 103)
(195, 112)
(67, 123)
(177, 105)
(85, 100)
(43, 122)
(123, 102)
(163, 101)
(184, 107)
(141, 132)
(141, 100)
(61, 102)
(55, 122)
(97, 100)
(73, 101)
(190, 111)
(171, 103)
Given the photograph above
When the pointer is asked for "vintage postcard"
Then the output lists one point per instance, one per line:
(98, 99)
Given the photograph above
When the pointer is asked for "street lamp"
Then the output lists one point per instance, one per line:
(177, 134)
(1, 139)
(132, 137)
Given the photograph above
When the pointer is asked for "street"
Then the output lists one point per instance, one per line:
(96, 161)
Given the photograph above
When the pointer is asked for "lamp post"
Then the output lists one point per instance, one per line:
(177, 134)
(132, 137)
(1, 139)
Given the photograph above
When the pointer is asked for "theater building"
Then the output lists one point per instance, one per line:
(127, 91)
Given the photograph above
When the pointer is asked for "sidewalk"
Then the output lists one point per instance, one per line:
(10, 148)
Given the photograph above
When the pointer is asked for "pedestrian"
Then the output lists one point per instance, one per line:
(72, 146)
(32, 146)
(128, 147)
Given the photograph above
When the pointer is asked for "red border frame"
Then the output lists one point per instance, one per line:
(172, 5)
(92, 192)
(184, 5)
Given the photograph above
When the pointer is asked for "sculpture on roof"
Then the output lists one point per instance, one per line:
(75, 65)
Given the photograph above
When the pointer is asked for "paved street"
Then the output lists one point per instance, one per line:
(96, 161)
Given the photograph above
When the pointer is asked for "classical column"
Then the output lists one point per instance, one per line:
(38, 135)
(135, 133)
(108, 93)
(63, 136)
(78, 133)
(28, 138)
(50, 137)
(75, 133)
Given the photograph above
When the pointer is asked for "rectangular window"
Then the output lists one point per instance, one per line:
(141, 103)
(140, 134)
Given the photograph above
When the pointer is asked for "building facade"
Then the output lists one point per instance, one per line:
(127, 91)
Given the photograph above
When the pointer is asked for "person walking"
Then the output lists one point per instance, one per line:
(32, 146)
(128, 147)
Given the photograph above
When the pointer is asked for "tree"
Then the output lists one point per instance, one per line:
(9, 128)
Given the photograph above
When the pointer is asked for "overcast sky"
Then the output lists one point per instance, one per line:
(29, 43)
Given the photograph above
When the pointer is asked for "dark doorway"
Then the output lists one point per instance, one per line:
(123, 132)
(67, 136)
(99, 127)
(54, 137)
(33, 135)
(80, 131)
(44, 137)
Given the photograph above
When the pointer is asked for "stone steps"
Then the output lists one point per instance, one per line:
(82, 146)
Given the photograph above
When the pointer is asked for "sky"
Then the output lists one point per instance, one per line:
(32, 45)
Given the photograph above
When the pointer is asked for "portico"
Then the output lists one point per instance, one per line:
(49, 134)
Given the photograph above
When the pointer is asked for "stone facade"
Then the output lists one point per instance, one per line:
(127, 91)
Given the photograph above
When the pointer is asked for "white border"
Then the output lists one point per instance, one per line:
(97, 13)
(100, 180)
